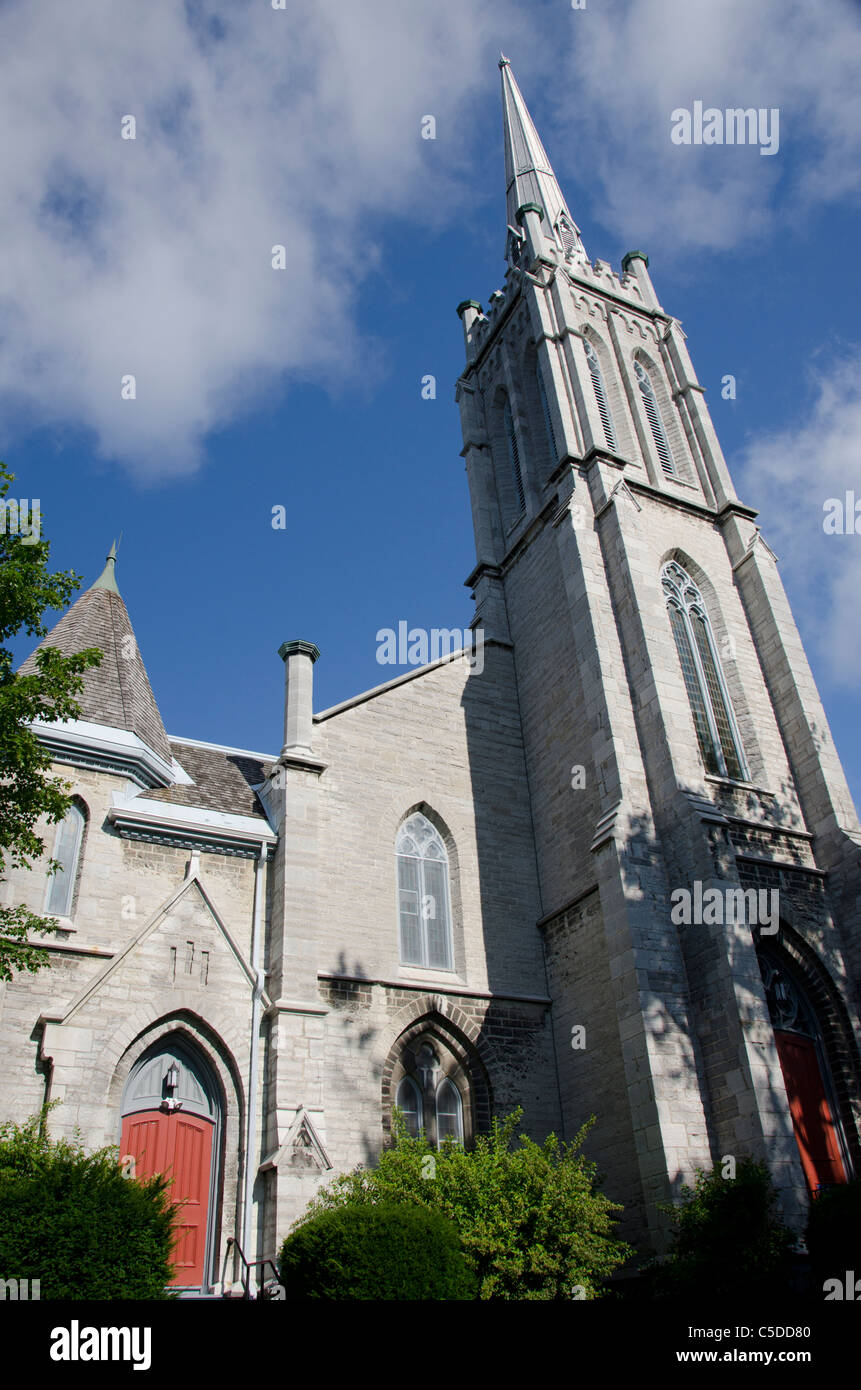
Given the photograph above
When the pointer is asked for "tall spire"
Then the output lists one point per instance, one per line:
(529, 176)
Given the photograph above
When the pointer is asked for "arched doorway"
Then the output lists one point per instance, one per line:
(806, 1075)
(171, 1120)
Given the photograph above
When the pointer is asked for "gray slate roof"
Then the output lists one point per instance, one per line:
(118, 692)
(223, 781)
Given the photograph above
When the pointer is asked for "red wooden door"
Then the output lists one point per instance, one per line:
(180, 1146)
(815, 1130)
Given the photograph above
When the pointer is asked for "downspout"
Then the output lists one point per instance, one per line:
(254, 1063)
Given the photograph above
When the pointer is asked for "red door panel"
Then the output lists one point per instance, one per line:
(815, 1131)
(180, 1146)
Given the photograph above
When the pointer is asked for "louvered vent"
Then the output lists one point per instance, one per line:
(600, 394)
(567, 237)
(548, 422)
(514, 455)
(656, 424)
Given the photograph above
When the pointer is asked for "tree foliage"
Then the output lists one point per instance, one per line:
(834, 1231)
(532, 1224)
(27, 792)
(728, 1238)
(71, 1220)
(384, 1251)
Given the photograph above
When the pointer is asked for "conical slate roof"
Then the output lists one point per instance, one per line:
(529, 176)
(117, 693)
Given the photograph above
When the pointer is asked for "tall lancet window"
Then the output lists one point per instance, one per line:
(449, 1112)
(714, 721)
(423, 895)
(548, 419)
(656, 424)
(600, 394)
(409, 1102)
(514, 456)
(67, 852)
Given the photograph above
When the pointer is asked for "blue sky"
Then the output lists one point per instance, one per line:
(302, 388)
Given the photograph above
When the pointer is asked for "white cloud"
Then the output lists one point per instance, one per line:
(805, 465)
(632, 64)
(254, 127)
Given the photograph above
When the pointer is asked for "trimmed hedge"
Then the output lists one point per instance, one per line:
(72, 1221)
(386, 1251)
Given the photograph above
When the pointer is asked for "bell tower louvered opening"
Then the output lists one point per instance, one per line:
(600, 395)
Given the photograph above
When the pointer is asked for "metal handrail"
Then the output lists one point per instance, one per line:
(248, 1266)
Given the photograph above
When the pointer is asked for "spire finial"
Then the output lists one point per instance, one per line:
(107, 579)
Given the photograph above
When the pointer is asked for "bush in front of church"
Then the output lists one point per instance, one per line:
(728, 1240)
(72, 1221)
(375, 1252)
(532, 1224)
(834, 1231)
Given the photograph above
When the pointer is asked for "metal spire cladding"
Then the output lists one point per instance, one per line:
(529, 176)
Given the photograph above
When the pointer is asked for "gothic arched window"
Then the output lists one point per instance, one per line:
(656, 424)
(514, 455)
(714, 721)
(449, 1112)
(409, 1102)
(548, 419)
(600, 394)
(423, 895)
(67, 852)
(427, 1095)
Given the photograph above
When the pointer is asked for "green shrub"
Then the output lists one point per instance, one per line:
(728, 1239)
(531, 1224)
(375, 1252)
(72, 1221)
(834, 1232)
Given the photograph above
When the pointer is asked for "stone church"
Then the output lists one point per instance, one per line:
(459, 892)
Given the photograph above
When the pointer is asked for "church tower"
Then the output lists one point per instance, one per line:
(696, 843)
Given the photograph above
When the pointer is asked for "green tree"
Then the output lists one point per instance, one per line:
(73, 1221)
(532, 1224)
(27, 792)
(728, 1238)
